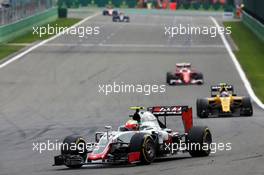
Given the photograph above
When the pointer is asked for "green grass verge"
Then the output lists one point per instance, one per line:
(7, 49)
(250, 55)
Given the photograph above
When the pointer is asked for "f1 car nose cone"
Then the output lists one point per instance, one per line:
(186, 77)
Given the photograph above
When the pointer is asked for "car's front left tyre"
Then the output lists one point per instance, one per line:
(169, 77)
(246, 107)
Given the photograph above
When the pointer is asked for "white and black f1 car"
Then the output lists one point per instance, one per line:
(121, 18)
(151, 140)
(184, 75)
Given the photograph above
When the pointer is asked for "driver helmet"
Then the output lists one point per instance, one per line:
(224, 94)
(132, 125)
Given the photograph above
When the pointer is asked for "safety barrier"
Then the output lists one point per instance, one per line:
(254, 25)
(20, 9)
(99, 3)
(13, 30)
(255, 8)
(172, 4)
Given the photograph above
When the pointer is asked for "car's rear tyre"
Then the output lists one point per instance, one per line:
(169, 77)
(202, 108)
(144, 144)
(199, 140)
(246, 107)
(71, 141)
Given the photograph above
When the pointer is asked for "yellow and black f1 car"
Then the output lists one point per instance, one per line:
(224, 102)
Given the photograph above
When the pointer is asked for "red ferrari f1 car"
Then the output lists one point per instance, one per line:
(183, 75)
(142, 139)
(109, 11)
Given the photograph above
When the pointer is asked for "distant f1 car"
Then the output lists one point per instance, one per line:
(110, 12)
(142, 139)
(121, 18)
(183, 75)
(223, 102)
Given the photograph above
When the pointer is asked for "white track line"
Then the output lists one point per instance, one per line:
(239, 69)
(120, 45)
(160, 46)
(44, 42)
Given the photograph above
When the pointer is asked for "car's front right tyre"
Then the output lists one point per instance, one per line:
(144, 144)
(74, 142)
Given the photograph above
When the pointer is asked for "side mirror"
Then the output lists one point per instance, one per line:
(108, 127)
(98, 136)
(168, 130)
(107, 132)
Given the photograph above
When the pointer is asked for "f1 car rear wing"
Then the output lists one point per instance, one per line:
(217, 88)
(165, 111)
(183, 65)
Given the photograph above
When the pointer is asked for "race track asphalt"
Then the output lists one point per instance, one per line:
(52, 92)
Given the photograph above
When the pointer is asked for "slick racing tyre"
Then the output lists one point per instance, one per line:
(199, 76)
(105, 13)
(202, 108)
(246, 107)
(169, 77)
(70, 142)
(115, 13)
(199, 140)
(144, 144)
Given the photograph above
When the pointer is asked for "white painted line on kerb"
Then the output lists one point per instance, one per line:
(44, 42)
(239, 69)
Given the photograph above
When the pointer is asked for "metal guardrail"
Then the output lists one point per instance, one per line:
(255, 8)
(19, 28)
(19, 9)
(254, 25)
